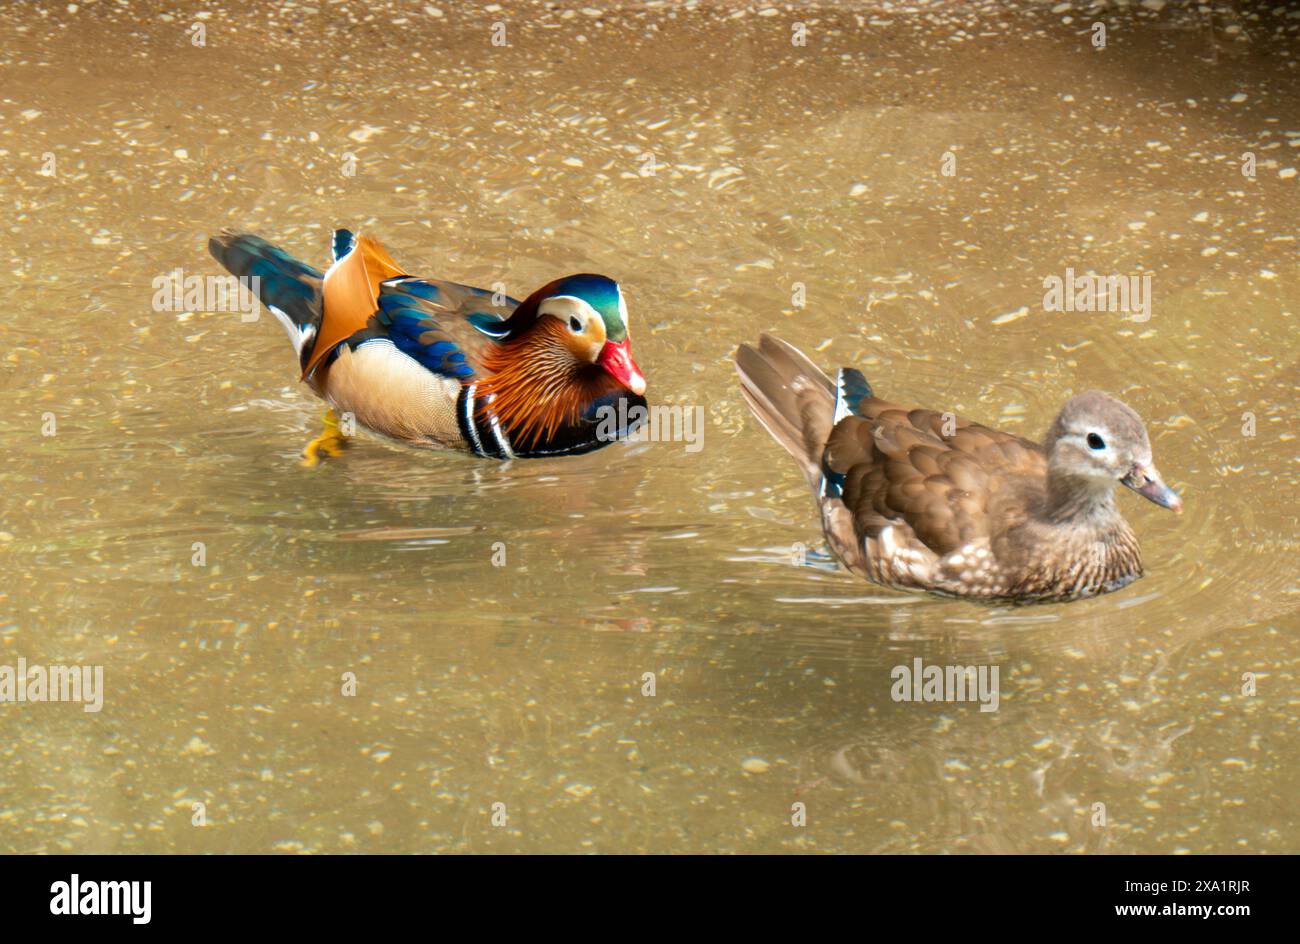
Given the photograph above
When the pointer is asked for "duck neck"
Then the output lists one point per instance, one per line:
(1080, 501)
(1095, 548)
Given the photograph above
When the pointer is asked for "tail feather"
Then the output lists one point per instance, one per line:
(792, 398)
(289, 288)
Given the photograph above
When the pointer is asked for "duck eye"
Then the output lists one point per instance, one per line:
(575, 325)
(1095, 441)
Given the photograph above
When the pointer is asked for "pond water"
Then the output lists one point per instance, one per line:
(889, 194)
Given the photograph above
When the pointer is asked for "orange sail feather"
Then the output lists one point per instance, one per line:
(351, 295)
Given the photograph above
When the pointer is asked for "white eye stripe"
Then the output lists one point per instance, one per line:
(562, 306)
(568, 304)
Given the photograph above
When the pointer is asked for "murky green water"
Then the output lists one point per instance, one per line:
(521, 685)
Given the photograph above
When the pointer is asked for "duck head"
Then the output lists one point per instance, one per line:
(1095, 442)
(565, 348)
(593, 314)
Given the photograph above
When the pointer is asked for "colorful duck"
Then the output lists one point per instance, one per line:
(922, 500)
(438, 364)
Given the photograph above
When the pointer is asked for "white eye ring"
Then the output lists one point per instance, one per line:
(575, 325)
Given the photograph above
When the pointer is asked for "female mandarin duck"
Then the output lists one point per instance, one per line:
(434, 363)
(917, 500)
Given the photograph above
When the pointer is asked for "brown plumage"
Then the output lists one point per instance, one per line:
(921, 500)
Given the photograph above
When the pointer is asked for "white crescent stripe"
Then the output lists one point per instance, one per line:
(469, 419)
(498, 433)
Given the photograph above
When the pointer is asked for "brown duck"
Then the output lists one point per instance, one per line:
(921, 500)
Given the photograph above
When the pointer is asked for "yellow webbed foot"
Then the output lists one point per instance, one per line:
(330, 442)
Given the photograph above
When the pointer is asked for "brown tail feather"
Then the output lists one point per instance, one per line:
(791, 397)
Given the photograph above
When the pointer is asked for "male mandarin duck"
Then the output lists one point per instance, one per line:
(433, 363)
(918, 500)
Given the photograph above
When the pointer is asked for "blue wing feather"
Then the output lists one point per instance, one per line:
(344, 241)
(416, 332)
(421, 317)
